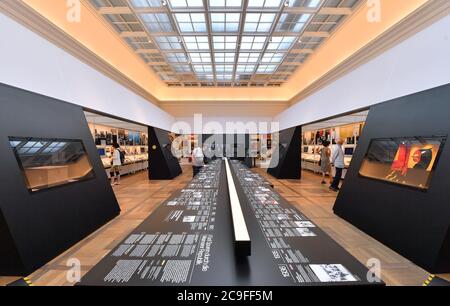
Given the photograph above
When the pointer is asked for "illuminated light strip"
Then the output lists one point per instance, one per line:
(241, 236)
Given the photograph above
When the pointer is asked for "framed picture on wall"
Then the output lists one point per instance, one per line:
(408, 161)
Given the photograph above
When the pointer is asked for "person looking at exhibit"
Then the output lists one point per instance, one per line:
(337, 160)
(325, 162)
(198, 160)
(116, 163)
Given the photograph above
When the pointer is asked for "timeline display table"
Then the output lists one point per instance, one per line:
(188, 241)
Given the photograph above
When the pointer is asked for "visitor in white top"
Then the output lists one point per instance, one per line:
(337, 160)
(116, 163)
(198, 160)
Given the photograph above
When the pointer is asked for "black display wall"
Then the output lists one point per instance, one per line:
(233, 146)
(36, 227)
(162, 164)
(288, 151)
(412, 222)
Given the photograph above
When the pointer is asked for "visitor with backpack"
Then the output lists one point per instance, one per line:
(118, 159)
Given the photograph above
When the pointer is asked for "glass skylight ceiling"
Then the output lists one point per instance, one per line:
(225, 42)
(33, 147)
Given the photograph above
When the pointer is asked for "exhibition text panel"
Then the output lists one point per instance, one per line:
(189, 241)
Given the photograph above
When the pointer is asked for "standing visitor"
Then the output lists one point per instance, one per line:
(337, 160)
(116, 163)
(198, 160)
(325, 162)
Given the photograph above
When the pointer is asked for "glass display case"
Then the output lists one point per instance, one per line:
(132, 138)
(408, 161)
(312, 144)
(47, 163)
(133, 154)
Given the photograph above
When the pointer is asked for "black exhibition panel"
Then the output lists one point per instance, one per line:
(189, 241)
(35, 227)
(213, 145)
(288, 163)
(233, 146)
(162, 164)
(412, 221)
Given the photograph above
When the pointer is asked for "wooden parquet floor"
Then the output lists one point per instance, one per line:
(138, 197)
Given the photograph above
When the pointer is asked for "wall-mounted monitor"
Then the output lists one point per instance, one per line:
(48, 163)
(349, 151)
(101, 152)
(408, 161)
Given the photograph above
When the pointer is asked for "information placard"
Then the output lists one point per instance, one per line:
(188, 241)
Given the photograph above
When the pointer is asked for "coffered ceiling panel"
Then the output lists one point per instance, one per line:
(240, 43)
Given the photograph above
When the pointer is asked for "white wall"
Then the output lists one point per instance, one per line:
(30, 62)
(231, 125)
(421, 62)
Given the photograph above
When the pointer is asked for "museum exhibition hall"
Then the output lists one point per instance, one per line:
(201, 147)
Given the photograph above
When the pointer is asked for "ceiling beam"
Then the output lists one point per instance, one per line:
(239, 42)
(321, 11)
(316, 34)
(144, 34)
(335, 11)
(302, 51)
(154, 10)
(210, 42)
(118, 10)
(292, 64)
(133, 34)
(324, 23)
(284, 72)
(147, 51)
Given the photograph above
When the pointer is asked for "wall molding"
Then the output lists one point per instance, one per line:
(228, 102)
(426, 15)
(429, 13)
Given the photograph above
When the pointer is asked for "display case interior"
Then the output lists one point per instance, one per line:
(132, 138)
(48, 163)
(256, 146)
(348, 128)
